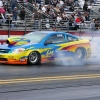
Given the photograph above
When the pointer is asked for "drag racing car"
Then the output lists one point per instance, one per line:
(43, 46)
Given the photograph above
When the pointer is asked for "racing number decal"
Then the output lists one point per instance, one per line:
(49, 53)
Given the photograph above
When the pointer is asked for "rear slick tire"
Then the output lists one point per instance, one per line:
(80, 54)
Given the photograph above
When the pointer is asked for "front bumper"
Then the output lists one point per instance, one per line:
(13, 59)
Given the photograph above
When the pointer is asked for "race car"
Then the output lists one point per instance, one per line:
(43, 46)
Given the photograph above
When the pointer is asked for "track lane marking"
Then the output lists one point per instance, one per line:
(53, 78)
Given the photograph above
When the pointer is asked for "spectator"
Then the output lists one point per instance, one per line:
(97, 25)
(31, 1)
(54, 28)
(44, 8)
(54, 3)
(40, 7)
(39, 15)
(76, 3)
(35, 15)
(71, 8)
(91, 1)
(64, 16)
(9, 20)
(70, 2)
(51, 2)
(87, 17)
(32, 20)
(95, 1)
(78, 20)
(2, 10)
(82, 19)
(85, 7)
(71, 23)
(81, 3)
(61, 9)
(22, 14)
(38, 1)
(37, 7)
(92, 25)
(53, 15)
(61, 2)
(15, 13)
(57, 9)
(59, 19)
(78, 13)
(64, 5)
(7, 10)
(13, 4)
(47, 2)
(73, 16)
(58, 4)
(89, 8)
(48, 9)
(1, 3)
(1, 21)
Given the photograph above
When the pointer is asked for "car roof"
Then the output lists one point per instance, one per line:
(54, 32)
(50, 32)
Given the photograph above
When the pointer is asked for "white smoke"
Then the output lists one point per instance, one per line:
(95, 45)
(94, 37)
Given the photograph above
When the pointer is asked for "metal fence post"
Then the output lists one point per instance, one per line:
(80, 30)
(9, 29)
(56, 24)
(68, 26)
(25, 25)
(39, 23)
(93, 32)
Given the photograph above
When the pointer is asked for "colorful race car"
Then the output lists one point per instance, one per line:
(43, 46)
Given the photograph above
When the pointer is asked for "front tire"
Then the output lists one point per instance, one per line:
(34, 58)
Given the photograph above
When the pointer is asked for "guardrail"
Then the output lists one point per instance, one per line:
(47, 24)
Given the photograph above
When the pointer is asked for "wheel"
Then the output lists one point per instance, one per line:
(79, 54)
(34, 58)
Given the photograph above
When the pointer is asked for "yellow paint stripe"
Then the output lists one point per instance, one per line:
(53, 78)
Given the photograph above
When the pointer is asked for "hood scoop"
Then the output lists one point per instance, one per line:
(17, 41)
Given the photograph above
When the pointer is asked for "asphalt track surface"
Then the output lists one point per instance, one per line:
(49, 81)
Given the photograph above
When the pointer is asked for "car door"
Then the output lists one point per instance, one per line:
(53, 44)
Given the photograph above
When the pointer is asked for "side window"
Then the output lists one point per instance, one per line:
(70, 38)
(60, 38)
(56, 38)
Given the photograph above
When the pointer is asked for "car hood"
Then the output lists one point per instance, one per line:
(17, 41)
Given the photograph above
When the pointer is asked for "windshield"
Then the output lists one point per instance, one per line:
(34, 36)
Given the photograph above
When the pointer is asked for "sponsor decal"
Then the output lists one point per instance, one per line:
(1, 56)
(10, 57)
(49, 53)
